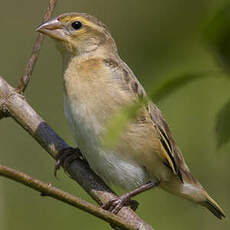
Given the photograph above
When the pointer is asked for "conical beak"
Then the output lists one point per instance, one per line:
(53, 29)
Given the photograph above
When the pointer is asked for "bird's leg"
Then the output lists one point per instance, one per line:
(65, 157)
(116, 204)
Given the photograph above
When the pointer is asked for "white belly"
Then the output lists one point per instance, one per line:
(109, 165)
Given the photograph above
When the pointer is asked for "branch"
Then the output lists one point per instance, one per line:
(25, 79)
(48, 190)
(16, 105)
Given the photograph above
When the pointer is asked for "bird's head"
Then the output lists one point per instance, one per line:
(78, 33)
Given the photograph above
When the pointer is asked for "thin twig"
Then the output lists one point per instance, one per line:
(25, 79)
(48, 190)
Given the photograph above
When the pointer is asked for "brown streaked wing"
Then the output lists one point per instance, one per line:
(171, 153)
(175, 158)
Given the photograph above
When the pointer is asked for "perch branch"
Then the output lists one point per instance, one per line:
(18, 108)
(48, 190)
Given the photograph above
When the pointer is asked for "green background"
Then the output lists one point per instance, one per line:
(159, 40)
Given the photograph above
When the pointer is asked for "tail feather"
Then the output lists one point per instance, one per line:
(213, 207)
(192, 190)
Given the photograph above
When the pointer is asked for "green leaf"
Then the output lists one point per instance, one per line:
(175, 83)
(119, 122)
(223, 125)
(217, 34)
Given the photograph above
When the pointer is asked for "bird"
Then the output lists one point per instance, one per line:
(98, 84)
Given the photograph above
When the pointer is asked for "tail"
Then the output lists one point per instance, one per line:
(195, 193)
(213, 207)
(192, 190)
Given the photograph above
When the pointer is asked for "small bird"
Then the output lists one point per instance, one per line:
(98, 84)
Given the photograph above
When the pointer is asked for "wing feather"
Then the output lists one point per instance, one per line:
(170, 152)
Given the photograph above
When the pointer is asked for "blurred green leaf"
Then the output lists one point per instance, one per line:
(217, 34)
(223, 125)
(175, 83)
(119, 122)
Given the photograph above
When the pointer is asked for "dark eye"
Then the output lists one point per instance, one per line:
(76, 25)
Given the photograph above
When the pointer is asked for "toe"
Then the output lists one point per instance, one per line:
(109, 204)
(115, 205)
(65, 157)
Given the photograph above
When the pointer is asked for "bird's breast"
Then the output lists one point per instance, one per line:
(93, 94)
(91, 98)
(110, 165)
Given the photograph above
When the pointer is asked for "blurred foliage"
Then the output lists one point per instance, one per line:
(119, 122)
(158, 40)
(176, 83)
(223, 125)
(217, 35)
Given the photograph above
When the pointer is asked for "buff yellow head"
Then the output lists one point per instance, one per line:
(78, 32)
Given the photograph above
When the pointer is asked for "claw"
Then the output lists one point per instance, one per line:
(66, 156)
(116, 204)
(133, 204)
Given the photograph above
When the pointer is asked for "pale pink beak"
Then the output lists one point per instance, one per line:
(53, 28)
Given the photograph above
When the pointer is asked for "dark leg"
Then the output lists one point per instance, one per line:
(65, 157)
(116, 204)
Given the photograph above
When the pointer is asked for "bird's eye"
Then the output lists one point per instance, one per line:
(76, 25)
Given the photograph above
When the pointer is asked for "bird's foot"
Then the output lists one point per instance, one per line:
(116, 204)
(66, 157)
